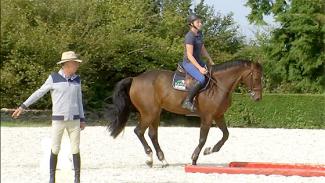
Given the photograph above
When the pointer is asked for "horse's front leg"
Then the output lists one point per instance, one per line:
(204, 130)
(225, 134)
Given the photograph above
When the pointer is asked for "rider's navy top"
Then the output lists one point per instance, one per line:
(197, 42)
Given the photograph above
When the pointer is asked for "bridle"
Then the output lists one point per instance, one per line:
(252, 90)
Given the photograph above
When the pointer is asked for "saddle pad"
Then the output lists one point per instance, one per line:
(179, 82)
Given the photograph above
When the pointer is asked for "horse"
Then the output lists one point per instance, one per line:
(152, 91)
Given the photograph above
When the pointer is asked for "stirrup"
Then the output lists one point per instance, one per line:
(189, 106)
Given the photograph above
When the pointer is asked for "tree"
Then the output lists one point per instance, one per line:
(295, 57)
(116, 39)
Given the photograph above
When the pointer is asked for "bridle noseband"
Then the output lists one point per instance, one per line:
(252, 90)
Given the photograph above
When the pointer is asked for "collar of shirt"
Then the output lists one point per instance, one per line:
(67, 77)
(199, 33)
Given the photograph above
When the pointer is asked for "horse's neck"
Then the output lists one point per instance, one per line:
(230, 78)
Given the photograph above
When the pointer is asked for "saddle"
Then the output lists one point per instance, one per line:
(183, 81)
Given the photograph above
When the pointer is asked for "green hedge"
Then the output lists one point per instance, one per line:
(273, 111)
(278, 111)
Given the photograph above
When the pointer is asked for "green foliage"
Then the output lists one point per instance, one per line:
(277, 111)
(116, 39)
(294, 56)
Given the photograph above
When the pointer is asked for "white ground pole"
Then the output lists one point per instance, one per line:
(64, 169)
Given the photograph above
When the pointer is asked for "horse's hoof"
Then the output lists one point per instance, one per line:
(149, 164)
(193, 162)
(149, 160)
(207, 151)
(164, 164)
(216, 149)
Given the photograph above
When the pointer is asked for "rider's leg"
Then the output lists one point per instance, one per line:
(199, 82)
(188, 102)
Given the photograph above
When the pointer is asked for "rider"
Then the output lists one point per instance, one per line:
(192, 63)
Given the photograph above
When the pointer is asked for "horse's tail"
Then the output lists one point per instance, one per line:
(118, 115)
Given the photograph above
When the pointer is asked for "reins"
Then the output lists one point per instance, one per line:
(215, 81)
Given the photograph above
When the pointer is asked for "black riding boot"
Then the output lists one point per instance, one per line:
(76, 164)
(53, 162)
(188, 102)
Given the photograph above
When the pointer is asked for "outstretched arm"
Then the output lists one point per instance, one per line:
(34, 97)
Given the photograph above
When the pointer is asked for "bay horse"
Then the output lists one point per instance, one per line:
(152, 91)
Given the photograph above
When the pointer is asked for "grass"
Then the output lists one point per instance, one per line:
(24, 124)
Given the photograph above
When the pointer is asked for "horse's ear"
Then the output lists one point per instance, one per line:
(259, 65)
(258, 62)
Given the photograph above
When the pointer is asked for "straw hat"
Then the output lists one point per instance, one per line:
(69, 56)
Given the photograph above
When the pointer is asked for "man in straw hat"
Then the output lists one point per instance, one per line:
(67, 109)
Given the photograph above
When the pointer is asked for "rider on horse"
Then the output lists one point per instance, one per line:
(192, 63)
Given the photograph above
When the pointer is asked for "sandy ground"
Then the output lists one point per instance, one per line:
(25, 153)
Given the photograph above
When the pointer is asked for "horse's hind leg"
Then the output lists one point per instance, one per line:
(225, 134)
(139, 131)
(153, 134)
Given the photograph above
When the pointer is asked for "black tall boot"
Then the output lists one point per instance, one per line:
(53, 162)
(188, 102)
(76, 164)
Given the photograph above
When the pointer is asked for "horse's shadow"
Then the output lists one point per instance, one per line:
(189, 164)
(158, 166)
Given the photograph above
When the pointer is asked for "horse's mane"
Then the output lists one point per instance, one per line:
(230, 64)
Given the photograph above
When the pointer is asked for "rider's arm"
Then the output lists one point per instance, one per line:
(205, 53)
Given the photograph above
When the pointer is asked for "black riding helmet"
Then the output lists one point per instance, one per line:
(191, 18)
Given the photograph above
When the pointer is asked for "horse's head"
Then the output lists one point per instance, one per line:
(252, 79)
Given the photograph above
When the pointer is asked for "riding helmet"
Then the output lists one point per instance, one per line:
(192, 17)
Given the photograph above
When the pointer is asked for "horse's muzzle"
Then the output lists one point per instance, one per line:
(255, 96)
(256, 99)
